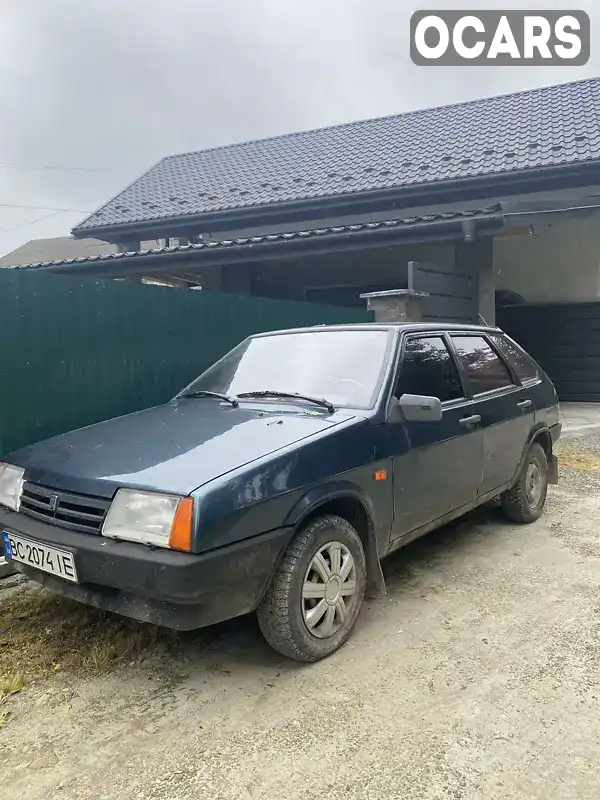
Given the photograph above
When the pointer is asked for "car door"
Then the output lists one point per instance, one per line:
(441, 470)
(503, 403)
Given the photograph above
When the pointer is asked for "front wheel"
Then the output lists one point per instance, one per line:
(313, 603)
(525, 502)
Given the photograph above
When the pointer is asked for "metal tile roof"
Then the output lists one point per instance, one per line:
(544, 127)
(407, 223)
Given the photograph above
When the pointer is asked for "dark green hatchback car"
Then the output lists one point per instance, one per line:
(278, 480)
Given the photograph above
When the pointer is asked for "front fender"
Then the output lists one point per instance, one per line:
(319, 495)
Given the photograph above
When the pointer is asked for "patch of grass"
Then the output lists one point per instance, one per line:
(11, 685)
(42, 632)
(573, 456)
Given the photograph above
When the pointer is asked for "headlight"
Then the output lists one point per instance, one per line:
(161, 520)
(11, 486)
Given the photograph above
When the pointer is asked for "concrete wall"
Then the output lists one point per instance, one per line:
(560, 262)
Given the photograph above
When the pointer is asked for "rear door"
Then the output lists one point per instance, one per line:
(539, 386)
(441, 471)
(503, 403)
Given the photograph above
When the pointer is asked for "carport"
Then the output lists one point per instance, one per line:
(529, 264)
(447, 253)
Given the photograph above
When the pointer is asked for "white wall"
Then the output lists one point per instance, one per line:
(560, 262)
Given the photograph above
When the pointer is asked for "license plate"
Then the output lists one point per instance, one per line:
(40, 556)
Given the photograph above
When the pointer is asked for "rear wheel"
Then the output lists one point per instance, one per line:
(315, 598)
(525, 502)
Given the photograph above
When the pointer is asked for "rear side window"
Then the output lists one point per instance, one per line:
(485, 370)
(429, 369)
(524, 368)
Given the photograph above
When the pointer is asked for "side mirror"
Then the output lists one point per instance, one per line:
(420, 408)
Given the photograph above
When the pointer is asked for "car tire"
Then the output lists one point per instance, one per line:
(313, 602)
(524, 503)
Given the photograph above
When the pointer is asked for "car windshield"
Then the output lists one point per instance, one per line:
(344, 367)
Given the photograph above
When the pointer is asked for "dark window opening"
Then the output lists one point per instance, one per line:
(483, 367)
(524, 368)
(429, 369)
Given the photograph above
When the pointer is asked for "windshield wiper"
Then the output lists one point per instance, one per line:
(216, 395)
(291, 396)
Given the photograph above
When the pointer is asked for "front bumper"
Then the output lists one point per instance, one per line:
(177, 590)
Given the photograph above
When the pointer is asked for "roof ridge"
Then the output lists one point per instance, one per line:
(342, 125)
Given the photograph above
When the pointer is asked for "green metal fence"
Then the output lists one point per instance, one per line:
(76, 351)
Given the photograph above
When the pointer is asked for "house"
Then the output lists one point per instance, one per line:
(482, 205)
(58, 248)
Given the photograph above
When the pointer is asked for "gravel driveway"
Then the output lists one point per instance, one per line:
(476, 677)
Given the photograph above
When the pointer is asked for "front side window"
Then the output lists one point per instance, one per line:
(345, 367)
(483, 367)
(429, 369)
(524, 368)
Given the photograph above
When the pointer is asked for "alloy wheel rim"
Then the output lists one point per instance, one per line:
(534, 484)
(329, 590)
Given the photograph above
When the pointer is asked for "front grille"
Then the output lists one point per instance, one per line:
(76, 511)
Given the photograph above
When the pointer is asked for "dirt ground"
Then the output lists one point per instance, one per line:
(478, 676)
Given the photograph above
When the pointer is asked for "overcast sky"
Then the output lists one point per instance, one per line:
(93, 92)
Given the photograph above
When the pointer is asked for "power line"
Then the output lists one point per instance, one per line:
(32, 222)
(54, 213)
(43, 208)
(13, 165)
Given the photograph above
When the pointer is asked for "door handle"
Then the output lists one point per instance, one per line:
(469, 422)
(524, 405)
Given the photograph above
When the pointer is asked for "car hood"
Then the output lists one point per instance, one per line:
(172, 448)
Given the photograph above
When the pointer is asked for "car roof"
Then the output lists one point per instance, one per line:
(404, 327)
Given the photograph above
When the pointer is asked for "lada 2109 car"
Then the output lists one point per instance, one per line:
(278, 480)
